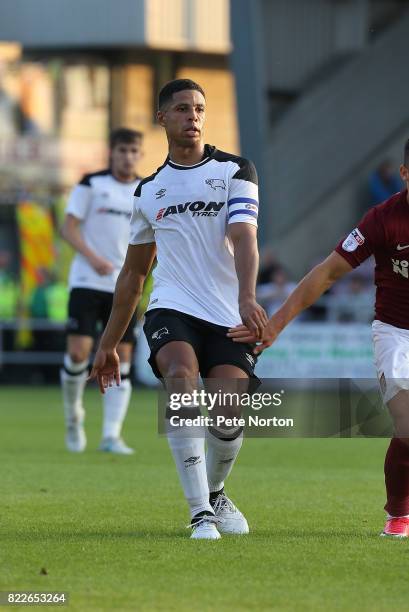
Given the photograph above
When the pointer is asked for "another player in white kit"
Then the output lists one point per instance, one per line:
(97, 227)
(199, 210)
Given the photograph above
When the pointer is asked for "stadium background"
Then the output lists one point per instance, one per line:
(315, 92)
(312, 91)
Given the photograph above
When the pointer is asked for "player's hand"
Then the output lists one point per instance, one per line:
(101, 265)
(241, 333)
(106, 369)
(254, 317)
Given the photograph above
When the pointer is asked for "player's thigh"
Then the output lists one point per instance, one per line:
(228, 382)
(174, 343)
(177, 359)
(391, 350)
(165, 327)
(223, 358)
(83, 312)
(79, 347)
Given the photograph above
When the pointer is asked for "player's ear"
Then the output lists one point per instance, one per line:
(404, 173)
(160, 117)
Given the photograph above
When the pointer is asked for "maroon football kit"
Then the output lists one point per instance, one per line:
(384, 233)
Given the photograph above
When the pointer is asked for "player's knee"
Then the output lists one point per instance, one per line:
(78, 355)
(181, 370)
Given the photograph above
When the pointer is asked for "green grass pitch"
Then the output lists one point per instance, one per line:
(110, 530)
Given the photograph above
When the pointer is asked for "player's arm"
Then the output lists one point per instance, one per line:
(244, 239)
(307, 292)
(71, 232)
(128, 292)
(360, 244)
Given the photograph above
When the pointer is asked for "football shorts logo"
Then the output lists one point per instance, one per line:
(353, 241)
(159, 194)
(216, 183)
(250, 359)
(163, 331)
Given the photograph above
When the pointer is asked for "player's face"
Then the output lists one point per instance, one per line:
(183, 119)
(125, 158)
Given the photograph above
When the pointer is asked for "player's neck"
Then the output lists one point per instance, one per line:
(123, 178)
(186, 156)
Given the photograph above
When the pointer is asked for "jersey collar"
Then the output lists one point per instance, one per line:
(208, 154)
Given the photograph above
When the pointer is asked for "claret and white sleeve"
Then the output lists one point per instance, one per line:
(243, 195)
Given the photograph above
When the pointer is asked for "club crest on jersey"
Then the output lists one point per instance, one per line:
(353, 241)
(198, 209)
(216, 183)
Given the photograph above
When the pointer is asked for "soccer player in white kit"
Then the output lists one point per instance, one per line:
(97, 226)
(199, 211)
(384, 233)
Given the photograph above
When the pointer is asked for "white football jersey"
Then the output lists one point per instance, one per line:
(104, 206)
(186, 211)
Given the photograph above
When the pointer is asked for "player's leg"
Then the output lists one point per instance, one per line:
(82, 317)
(391, 349)
(116, 401)
(73, 378)
(397, 468)
(224, 443)
(177, 362)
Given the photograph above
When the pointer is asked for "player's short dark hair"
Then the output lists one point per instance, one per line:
(167, 91)
(406, 154)
(124, 135)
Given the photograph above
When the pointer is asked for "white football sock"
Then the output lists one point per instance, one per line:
(116, 402)
(73, 378)
(220, 458)
(189, 455)
(389, 516)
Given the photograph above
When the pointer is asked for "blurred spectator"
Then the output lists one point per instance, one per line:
(354, 304)
(273, 293)
(384, 182)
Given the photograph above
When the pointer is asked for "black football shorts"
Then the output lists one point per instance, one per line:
(89, 310)
(209, 341)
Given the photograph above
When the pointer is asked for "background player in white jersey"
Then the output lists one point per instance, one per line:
(97, 227)
(200, 212)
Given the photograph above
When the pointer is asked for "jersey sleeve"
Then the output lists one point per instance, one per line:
(80, 199)
(362, 242)
(243, 195)
(141, 229)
